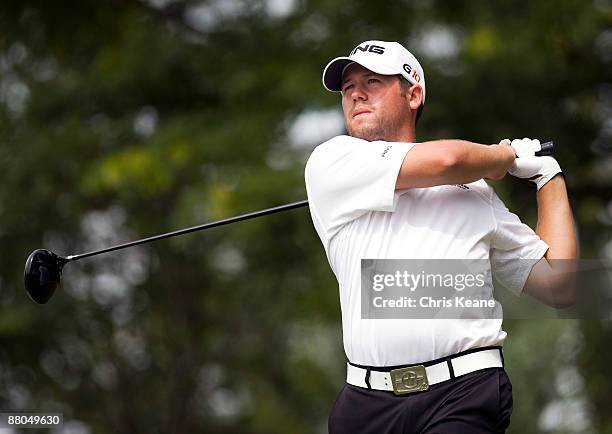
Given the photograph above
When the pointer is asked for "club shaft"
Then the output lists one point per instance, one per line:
(226, 221)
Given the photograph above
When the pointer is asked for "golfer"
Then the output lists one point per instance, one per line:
(377, 193)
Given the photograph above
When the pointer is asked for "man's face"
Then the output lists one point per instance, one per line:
(374, 106)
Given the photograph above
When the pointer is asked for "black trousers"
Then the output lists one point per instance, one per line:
(475, 403)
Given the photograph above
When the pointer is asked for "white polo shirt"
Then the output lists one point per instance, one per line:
(358, 214)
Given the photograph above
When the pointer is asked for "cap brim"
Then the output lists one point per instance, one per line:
(332, 75)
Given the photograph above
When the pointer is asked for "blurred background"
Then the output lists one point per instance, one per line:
(122, 119)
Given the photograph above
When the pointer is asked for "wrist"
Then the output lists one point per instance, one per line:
(504, 156)
(499, 161)
(555, 183)
(509, 154)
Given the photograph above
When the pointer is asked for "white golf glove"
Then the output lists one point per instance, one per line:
(538, 170)
(525, 147)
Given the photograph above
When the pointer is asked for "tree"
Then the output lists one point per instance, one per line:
(125, 119)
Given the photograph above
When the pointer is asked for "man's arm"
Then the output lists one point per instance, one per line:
(552, 279)
(444, 162)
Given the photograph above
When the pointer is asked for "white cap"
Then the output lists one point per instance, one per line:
(381, 57)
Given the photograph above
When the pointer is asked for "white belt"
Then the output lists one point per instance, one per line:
(418, 378)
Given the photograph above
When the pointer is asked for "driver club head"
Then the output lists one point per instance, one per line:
(42, 274)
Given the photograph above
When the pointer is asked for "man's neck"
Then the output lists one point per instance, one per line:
(406, 136)
(406, 133)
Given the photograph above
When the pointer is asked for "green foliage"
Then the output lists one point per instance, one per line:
(123, 119)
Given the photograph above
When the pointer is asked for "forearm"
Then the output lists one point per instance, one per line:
(555, 221)
(442, 162)
(475, 161)
(553, 279)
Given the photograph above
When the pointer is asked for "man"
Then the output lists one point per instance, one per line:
(376, 193)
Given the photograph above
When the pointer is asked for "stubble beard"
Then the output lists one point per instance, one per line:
(376, 129)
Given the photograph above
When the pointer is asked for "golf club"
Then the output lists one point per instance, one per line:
(43, 268)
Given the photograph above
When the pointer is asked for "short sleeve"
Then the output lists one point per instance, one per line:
(515, 248)
(347, 177)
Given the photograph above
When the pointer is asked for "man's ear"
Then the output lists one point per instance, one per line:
(415, 96)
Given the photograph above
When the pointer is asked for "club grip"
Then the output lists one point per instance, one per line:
(548, 148)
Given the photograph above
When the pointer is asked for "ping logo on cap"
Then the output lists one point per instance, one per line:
(376, 49)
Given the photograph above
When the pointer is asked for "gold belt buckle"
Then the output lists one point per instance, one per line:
(409, 380)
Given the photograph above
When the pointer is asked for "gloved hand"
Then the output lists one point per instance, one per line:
(538, 170)
(525, 147)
